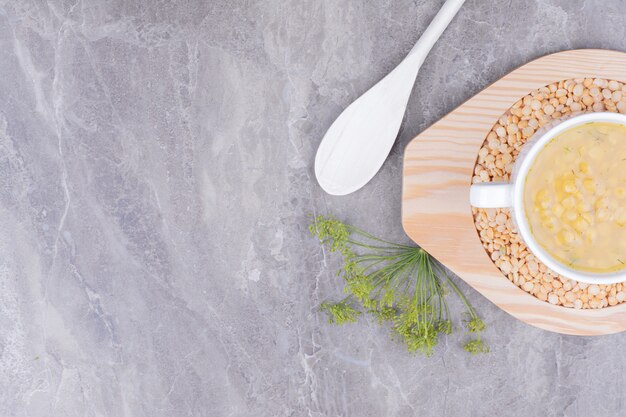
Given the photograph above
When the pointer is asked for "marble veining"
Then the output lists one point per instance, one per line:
(155, 186)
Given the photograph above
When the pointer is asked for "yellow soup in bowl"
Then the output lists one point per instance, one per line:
(575, 197)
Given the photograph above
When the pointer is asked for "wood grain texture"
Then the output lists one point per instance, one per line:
(437, 173)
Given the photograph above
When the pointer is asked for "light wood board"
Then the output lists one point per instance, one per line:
(437, 173)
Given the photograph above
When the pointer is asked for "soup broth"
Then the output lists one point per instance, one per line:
(575, 197)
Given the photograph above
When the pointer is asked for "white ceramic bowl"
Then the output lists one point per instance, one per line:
(511, 195)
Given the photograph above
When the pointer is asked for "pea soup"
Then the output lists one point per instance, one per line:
(575, 197)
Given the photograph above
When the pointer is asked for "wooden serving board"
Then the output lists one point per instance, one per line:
(438, 168)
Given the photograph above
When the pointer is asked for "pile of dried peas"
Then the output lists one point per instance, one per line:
(495, 163)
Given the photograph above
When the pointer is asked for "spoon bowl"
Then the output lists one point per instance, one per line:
(359, 140)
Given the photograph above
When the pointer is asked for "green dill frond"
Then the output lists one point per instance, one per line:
(424, 309)
(341, 312)
(388, 298)
(444, 326)
(351, 269)
(414, 329)
(475, 325)
(360, 287)
(383, 314)
(332, 231)
(393, 282)
(476, 346)
(420, 337)
(370, 303)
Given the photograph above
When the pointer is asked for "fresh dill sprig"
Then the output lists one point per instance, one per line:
(394, 283)
(341, 312)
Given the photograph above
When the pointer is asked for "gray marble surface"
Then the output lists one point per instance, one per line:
(155, 182)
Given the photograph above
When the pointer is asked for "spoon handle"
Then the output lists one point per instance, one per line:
(434, 31)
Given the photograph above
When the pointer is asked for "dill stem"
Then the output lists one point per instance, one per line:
(456, 289)
(374, 238)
